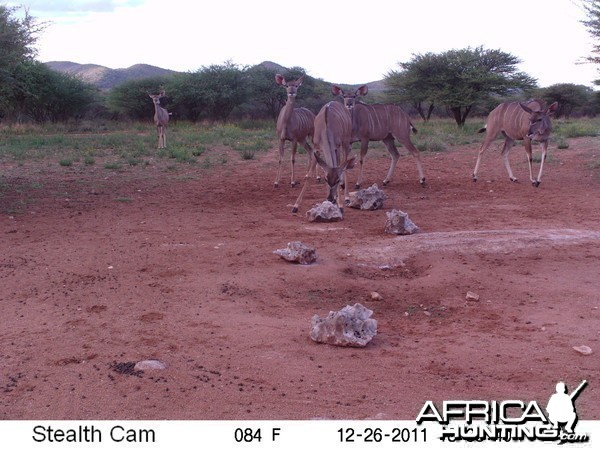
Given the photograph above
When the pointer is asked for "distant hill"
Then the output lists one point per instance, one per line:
(105, 78)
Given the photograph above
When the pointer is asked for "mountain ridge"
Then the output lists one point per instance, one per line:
(106, 78)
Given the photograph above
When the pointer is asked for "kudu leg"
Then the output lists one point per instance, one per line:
(296, 206)
(484, 146)
(508, 143)
(415, 152)
(364, 147)
(159, 132)
(293, 160)
(281, 148)
(536, 182)
(395, 155)
(312, 162)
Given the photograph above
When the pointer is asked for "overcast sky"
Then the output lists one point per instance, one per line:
(344, 42)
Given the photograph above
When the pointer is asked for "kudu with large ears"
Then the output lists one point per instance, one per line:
(333, 130)
(519, 121)
(161, 119)
(378, 122)
(295, 125)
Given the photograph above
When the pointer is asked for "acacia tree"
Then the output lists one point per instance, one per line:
(17, 39)
(414, 83)
(130, 99)
(592, 11)
(265, 98)
(570, 97)
(458, 79)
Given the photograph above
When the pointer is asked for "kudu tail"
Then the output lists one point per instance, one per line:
(482, 130)
(412, 128)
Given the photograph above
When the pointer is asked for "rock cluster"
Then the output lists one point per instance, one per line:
(370, 198)
(398, 223)
(352, 326)
(298, 252)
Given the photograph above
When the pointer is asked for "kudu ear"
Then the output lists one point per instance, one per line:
(349, 164)
(363, 90)
(299, 81)
(552, 108)
(320, 160)
(279, 79)
(336, 90)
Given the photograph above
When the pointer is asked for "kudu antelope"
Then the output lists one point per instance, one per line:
(333, 130)
(519, 121)
(161, 119)
(379, 123)
(295, 125)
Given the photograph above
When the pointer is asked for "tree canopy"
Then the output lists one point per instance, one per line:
(456, 79)
(592, 23)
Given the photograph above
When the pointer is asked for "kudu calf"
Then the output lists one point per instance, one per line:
(161, 119)
(295, 125)
(379, 123)
(333, 131)
(519, 121)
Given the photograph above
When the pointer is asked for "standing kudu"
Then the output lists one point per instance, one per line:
(379, 123)
(161, 119)
(333, 131)
(295, 125)
(519, 121)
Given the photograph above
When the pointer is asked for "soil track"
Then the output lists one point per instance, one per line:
(100, 268)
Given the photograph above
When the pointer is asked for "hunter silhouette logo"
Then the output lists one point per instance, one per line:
(509, 420)
(561, 407)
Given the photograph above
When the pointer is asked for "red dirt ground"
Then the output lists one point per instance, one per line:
(101, 268)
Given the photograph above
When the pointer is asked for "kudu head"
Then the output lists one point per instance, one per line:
(334, 175)
(290, 86)
(349, 97)
(540, 124)
(156, 97)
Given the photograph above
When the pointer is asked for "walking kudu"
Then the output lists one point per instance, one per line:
(519, 121)
(295, 125)
(161, 119)
(333, 131)
(379, 123)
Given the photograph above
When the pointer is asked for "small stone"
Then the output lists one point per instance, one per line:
(583, 349)
(376, 296)
(472, 296)
(150, 364)
(298, 252)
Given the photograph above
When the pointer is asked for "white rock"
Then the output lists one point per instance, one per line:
(472, 296)
(324, 212)
(352, 326)
(298, 252)
(376, 296)
(398, 223)
(150, 364)
(583, 349)
(371, 198)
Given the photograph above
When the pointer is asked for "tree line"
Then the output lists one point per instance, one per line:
(456, 83)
